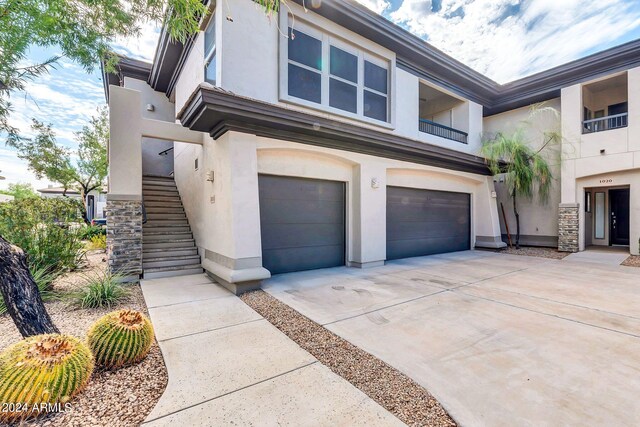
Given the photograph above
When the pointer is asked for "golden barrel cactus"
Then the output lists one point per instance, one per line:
(41, 374)
(120, 338)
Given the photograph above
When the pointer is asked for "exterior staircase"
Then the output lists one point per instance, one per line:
(168, 247)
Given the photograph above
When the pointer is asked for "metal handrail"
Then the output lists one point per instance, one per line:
(433, 128)
(615, 121)
(165, 152)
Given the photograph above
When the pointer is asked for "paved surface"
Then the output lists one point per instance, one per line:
(601, 255)
(228, 366)
(500, 340)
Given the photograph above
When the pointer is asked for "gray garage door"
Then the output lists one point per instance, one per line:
(302, 223)
(426, 222)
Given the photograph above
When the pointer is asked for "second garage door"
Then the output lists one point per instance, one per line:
(302, 223)
(426, 222)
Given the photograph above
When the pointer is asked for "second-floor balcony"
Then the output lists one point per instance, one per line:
(433, 128)
(615, 121)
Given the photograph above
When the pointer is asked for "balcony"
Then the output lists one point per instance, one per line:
(433, 128)
(615, 121)
(442, 114)
(605, 104)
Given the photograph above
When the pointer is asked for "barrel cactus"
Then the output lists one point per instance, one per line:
(42, 371)
(120, 338)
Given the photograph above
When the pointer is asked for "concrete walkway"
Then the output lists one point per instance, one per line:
(600, 255)
(227, 365)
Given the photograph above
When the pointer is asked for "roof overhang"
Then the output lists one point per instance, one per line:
(126, 67)
(216, 112)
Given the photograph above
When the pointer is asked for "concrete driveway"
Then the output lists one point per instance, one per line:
(500, 340)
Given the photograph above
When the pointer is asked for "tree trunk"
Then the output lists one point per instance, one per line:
(515, 212)
(21, 294)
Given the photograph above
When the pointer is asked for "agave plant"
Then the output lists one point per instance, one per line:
(43, 369)
(120, 338)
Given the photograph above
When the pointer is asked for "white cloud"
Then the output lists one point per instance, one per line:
(377, 6)
(15, 170)
(142, 47)
(509, 39)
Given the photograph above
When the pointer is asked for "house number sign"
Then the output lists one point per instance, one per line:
(606, 181)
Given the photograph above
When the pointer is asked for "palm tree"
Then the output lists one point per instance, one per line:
(526, 169)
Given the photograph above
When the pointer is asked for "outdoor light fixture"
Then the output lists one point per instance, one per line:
(150, 107)
(602, 151)
(375, 183)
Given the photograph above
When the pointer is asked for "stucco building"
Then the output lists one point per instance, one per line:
(334, 137)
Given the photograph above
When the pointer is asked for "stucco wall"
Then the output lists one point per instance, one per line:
(248, 65)
(538, 220)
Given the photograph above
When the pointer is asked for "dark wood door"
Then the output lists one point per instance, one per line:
(619, 208)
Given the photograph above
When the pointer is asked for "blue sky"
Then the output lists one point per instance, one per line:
(503, 39)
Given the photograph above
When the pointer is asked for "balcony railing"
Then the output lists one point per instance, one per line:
(432, 128)
(615, 121)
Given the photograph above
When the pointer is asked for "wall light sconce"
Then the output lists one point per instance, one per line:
(375, 183)
(210, 176)
(150, 107)
(602, 151)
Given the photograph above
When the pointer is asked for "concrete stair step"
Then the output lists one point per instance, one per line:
(178, 209)
(165, 236)
(164, 193)
(168, 252)
(179, 261)
(164, 216)
(160, 198)
(170, 222)
(157, 178)
(165, 229)
(168, 244)
(175, 204)
(147, 188)
(157, 274)
(158, 182)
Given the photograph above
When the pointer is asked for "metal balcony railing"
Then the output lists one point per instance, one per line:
(615, 121)
(432, 128)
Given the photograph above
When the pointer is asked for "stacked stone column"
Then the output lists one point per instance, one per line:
(124, 237)
(568, 227)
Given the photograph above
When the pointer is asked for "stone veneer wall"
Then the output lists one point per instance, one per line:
(124, 237)
(568, 227)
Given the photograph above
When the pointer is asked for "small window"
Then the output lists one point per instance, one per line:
(210, 52)
(195, 164)
(375, 92)
(305, 67)
(343, 83)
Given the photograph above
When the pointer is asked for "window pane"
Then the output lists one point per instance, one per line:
(210, 36)
(343, 95)
(343, 64)
(210, 71)
(375, 106)
(600, 216)
(305, 49)
(304, 83)
(375, 77)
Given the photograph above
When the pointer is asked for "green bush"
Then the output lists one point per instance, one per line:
(90, 231)
(46, 229)
(43, 276)
(102, 289)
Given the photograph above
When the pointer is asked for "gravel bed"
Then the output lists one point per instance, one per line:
(632, 261)
(118, 398)
(551, 253)
(396, 392)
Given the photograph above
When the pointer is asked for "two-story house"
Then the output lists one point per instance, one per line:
(331, 137)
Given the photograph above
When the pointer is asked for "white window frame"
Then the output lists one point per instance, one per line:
(208, 56)
(328, 40)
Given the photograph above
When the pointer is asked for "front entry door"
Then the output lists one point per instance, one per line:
(619, 200)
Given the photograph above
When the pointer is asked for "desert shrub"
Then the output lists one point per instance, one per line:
(101, 289)
(120, 338)
(46, 229)
(43, 276)
(97, 242)
(48, 369)
(90, 231)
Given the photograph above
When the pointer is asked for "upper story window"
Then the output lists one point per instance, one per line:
(338, 76)
(210, 51)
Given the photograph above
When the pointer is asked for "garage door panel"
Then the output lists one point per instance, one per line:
(287, 260)
(302, 223)
(278, 211)
(426, 222)
(301, 235)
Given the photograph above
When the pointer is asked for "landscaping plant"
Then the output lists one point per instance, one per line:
(120, 338)
(43, 369)
(97, 242)
(526, 169)
(101, 289)
(90, 231)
